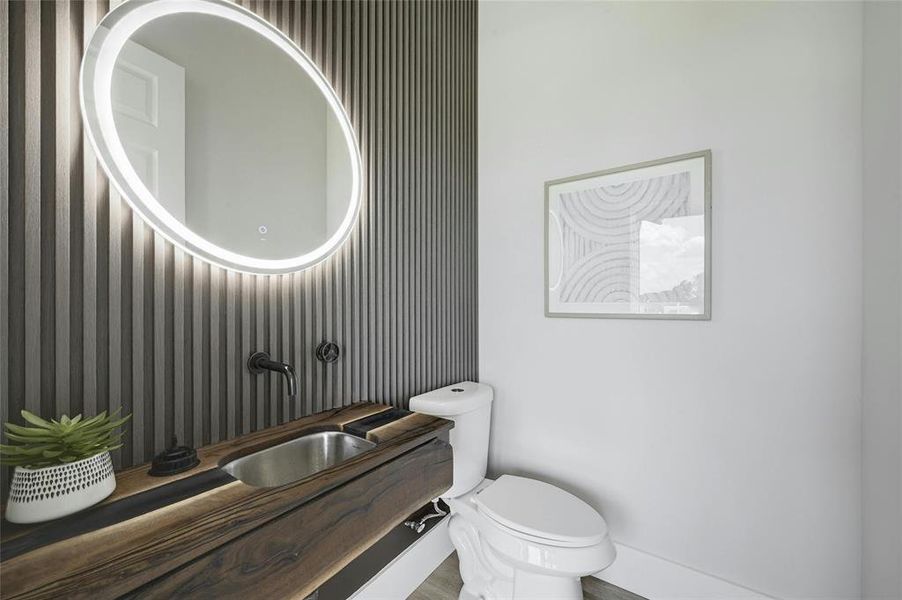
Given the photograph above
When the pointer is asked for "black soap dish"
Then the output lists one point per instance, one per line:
(175, 459)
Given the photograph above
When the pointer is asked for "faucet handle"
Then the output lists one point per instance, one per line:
(328, 352)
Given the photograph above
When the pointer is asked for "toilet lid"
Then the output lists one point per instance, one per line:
(541, 510)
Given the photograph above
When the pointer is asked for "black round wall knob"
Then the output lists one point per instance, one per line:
(328, 352)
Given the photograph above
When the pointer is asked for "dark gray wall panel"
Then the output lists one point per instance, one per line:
(98, 312)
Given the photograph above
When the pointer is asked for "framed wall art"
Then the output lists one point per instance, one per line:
(631, 242)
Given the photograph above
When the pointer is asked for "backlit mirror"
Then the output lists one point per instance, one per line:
(221, 133)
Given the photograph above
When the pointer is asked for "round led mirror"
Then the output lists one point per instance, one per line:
(221, 133)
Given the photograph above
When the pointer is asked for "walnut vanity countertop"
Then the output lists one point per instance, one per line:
(151, 526)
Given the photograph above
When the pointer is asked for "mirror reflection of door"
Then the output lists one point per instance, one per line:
(233, 144)
(149, 109)
(267, 169)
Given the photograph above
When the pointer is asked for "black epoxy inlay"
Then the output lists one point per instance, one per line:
(360, 427)
(105, 515)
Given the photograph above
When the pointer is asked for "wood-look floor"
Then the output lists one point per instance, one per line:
(445, 584)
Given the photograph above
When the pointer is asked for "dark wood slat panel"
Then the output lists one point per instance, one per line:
(15, 207)
(197, 350)
(97, 314)
(4, 211)
(66, 142)
(32, 210)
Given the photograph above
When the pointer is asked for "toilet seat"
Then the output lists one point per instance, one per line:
(540, 512)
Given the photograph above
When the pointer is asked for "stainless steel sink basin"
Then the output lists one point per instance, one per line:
(296, 459)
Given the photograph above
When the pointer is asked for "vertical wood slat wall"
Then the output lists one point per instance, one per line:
(97, 312)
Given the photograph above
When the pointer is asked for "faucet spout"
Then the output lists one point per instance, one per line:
(261, 361)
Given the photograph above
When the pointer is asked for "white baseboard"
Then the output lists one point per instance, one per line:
(399, 578)
(657, 578)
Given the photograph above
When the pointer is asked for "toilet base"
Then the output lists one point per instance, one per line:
(534, 585)
(488, 576)
(530, 585)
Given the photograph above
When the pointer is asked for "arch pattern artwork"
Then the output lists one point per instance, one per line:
(600, 231)
(631, 241)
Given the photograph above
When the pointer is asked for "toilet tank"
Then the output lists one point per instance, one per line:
(469, 405)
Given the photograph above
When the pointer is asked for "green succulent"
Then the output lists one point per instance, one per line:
(53, 442)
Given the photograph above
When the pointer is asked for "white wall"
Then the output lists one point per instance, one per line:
(732, 446)
(881, 366)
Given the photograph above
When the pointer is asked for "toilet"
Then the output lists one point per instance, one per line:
(515, 537)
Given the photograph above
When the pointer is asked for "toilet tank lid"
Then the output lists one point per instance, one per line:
(452, 400)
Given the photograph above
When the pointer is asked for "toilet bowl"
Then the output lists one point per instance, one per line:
(515, 537)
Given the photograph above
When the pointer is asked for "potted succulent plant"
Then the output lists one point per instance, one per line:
(61, 467)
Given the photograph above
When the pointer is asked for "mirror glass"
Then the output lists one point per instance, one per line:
(222, 134)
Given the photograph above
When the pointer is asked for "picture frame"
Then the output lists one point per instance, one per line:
(631, 242)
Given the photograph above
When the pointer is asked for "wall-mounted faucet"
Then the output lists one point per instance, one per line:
(259, 362)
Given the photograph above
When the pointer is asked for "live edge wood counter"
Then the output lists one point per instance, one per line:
(240, 541)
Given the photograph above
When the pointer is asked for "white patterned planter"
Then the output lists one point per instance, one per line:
(37, 495)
